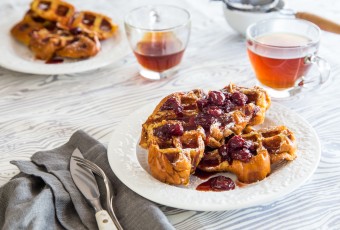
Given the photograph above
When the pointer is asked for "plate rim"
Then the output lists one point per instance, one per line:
(169, 202)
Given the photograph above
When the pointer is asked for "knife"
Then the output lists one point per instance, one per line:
(87, 185)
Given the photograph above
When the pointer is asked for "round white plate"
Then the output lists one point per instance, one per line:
(16, 56)
(129, 162)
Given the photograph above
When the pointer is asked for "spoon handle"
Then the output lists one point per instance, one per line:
(323, 23)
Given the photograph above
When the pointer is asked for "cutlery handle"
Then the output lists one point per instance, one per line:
(323, 23)
(104, 221)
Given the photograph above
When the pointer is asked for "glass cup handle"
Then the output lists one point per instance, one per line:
(323, 67)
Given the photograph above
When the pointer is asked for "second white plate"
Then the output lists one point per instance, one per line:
(17, 57)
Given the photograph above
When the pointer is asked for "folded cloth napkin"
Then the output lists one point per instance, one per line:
(43, 195)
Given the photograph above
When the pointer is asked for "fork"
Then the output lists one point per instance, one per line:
(98, 171)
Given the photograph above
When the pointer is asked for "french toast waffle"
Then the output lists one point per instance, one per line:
(44, 43)
(81, 46)
(255, 95)
(238, 155)
(242, 155)
(47, 44)
(22, 31)
(280, 143)
(53, 10)
(220, 113)
(51, 28)
(173, 152)
(176, 105)
(99, 24)
(213, 117)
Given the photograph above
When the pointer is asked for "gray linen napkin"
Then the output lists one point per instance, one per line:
(43, 195)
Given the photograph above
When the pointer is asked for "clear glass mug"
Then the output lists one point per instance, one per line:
(158, 36)
(282, 53)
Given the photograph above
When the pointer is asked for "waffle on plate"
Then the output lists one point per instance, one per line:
(53, 28)
(249, 156)
(214, 132)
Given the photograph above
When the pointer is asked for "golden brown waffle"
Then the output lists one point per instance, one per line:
(213, 117)
(48, 44)
(173, 152)
(242, 155)
(256, 95)
(53, 10)
(44, 43)
(280, 143)
(187, 108)
(80, 47)
(52, 29)
(99, 24)
(22, 30)
(233, 117)
(272, 145)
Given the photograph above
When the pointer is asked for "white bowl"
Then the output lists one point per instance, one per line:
(240, 20)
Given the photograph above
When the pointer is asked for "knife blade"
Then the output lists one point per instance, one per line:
(87, 185)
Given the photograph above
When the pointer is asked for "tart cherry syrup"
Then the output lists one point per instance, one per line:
(217, 184)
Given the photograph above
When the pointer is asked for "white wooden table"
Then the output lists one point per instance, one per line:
(41, 112)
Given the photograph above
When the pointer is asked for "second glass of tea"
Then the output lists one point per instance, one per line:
(158, 36)
(283, 52)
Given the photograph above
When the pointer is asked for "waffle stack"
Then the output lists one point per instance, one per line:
(214, 132)
(53, 28)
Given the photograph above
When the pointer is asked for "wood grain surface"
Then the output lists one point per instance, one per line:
(41, 112)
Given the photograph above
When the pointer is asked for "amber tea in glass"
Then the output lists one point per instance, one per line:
(283, 70)
(282, 52)
(158, 36)
(159, 51)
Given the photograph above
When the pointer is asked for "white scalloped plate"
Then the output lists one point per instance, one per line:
(129, 162)
(16, 56)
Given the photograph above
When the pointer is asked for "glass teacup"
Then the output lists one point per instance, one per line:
(158, 36)
(282, 52)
